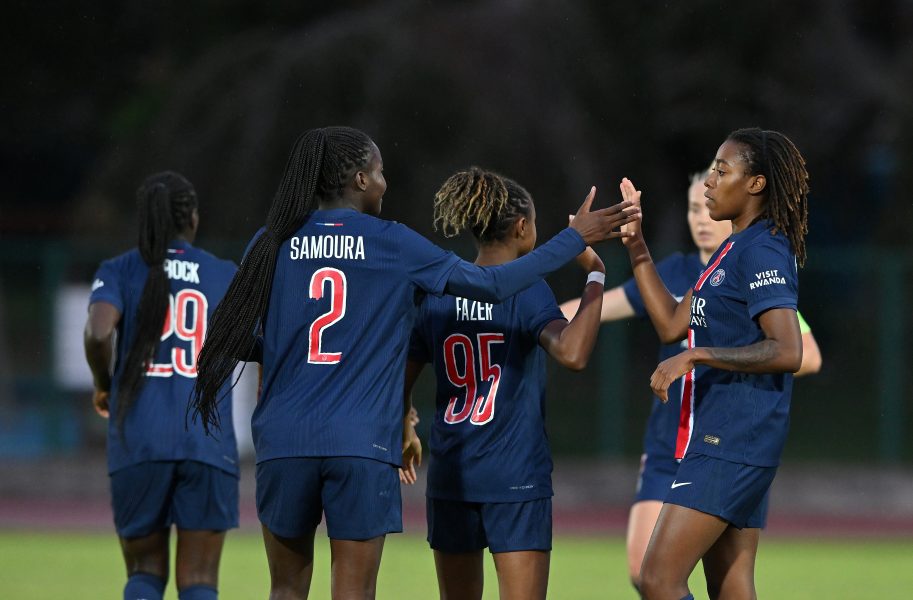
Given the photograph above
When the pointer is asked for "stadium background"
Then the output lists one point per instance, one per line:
(559, 95)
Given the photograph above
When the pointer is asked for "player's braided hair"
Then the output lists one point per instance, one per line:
(321, 164)
(772, 154)
(166, 202)
(482, 201)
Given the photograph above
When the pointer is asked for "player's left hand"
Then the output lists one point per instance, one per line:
(668, 371)
(100, 402)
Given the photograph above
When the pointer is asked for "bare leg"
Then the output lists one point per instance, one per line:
(291, 565)
(641, 521)
(198, 556)
(729, 565)
(681, 537)
(354, 568)
(522, 575)
(147, 554)
(459, 576)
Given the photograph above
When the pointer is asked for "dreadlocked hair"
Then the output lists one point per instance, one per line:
(166, 202)
(772, 154)
(482, 201)
(321, 164)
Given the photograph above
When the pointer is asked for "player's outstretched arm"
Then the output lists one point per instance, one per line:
(669, 317)
(497, 283)
(98, 341)
(571, 343)
(811, 354)
(412, 445)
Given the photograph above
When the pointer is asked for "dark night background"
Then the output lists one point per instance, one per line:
(558, 95)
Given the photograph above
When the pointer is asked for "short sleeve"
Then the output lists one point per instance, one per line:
(768, 276)
(418, 344)
(107, 286)
(538, 308)
(426, 265)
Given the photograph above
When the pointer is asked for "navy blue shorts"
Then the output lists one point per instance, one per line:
(732, 491)
(656, 476)
(359, 496)
(456, 527)
(151, 496)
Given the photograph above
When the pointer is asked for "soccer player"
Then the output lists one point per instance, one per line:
(744, 344)
(333, 290)
(159, 298)
(678, 272)
(489, 484)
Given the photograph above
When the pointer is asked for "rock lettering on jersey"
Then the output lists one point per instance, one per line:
(182, 270)
(346, 247)
(697, 312)
(766, 278)
(471, 310)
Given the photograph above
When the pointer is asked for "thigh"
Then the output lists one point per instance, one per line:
(288, 496)
(361, 498)
(518, 526)
(681, 537)
(147, 554)
(455, 527)
(291, 564)
(522, 575)
(641, 521)
(197, 558)
(205, 498)
(460, 575)
(141, 498)
(729, 564)
(354, 566)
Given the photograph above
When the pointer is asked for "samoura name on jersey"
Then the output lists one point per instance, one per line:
(313, 247)
(156, 427)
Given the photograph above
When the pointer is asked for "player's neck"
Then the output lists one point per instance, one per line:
(496, 254)
(342, 202)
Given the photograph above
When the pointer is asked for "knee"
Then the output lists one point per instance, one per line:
(200, 570)
(653, 584)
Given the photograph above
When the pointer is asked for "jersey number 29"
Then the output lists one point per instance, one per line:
(478, 409)
(186, 303)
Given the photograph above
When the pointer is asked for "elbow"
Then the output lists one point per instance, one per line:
(793, 361)
(667, 336)
(98, 336)
(574, 361)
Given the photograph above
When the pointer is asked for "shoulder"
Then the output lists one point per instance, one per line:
(127, 260)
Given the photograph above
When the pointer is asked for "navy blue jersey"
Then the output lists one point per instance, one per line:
(488, 440)
(155, 427)
(741, 417)
(336, 334)
(679, 272)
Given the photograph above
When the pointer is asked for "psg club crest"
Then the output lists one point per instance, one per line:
(717, 278)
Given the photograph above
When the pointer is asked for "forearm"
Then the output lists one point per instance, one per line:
(498, 283)
(661, 306)
(576, 341)
(98, 354)
(766, 356)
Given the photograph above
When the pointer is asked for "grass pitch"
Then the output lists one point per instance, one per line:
(38, 566)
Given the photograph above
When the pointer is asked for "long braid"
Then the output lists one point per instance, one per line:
(320, 165)
(166, 202)
(772, 154)
(482, 201)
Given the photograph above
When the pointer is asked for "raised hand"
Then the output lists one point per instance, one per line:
(630, 194)
(600, 225)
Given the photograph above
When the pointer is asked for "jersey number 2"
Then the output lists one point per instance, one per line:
(337, 292)
(478, 409)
